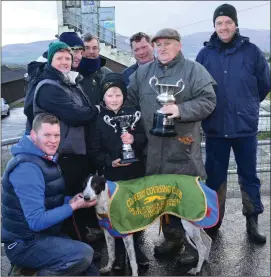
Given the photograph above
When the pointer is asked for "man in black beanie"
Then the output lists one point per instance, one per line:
(243, 81)
(226, 10)
(77, 46)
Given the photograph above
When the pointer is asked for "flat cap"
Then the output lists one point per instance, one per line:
(167, 33)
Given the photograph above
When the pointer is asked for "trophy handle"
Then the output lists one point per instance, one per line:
(183, 86)
(137, 117)
(107, 120)
(156, 83)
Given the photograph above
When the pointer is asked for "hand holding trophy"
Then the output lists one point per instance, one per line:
(163, 125)
(124, 122)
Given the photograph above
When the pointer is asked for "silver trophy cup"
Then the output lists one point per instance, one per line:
(162, 125)
(124, 122)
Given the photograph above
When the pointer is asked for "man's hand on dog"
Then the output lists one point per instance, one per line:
(78, 202)
(116, 163)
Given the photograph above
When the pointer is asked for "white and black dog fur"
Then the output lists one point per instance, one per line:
(96, 189)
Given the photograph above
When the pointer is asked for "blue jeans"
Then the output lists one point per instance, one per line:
(245, 153)
(51, 256)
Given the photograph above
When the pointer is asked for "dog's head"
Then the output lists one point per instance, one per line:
(93, 187)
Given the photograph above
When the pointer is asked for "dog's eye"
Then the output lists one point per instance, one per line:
(84, 185)
(95, 187)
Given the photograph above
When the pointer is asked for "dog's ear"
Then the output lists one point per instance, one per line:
(85, 183)
(98, 184)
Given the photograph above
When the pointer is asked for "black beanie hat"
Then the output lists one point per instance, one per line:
(113, 80)
(226, 10)
(72, 39)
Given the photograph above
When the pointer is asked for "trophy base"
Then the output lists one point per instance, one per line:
(163, 126)
(128, 161)
(163, 132)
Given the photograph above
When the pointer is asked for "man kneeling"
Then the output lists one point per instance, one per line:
(34, 207)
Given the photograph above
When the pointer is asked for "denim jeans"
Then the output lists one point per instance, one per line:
(51, 255)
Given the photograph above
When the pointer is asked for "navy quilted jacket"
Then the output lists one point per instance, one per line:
(243, 81)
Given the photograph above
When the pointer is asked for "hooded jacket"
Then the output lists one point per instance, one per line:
(243, 81)
(32, 194)
(107, 147)
(34, 76)
(197, 100)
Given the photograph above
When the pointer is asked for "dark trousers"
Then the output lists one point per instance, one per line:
(245, 153)
(75, 170)
(52, 256)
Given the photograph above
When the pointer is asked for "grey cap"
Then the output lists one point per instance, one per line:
(167, 33)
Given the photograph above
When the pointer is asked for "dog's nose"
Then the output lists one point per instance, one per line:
(86, 197)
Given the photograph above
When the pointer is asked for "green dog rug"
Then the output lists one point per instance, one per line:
(136, 203)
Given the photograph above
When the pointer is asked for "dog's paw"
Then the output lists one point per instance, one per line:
(105, 269)
(193, 271)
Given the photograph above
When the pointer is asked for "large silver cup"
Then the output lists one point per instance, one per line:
(124, 122)
(162, 125)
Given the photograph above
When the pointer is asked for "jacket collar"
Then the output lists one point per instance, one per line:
(236, 43)
(179, 58)
(71, 78)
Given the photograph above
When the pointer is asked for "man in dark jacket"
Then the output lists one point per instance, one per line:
(243, 81)
(77, 46)
(180, 154)
(92, 68)
(142, 49)
(34, 206)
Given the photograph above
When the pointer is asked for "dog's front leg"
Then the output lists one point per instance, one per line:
(129, 245)
(110, 242)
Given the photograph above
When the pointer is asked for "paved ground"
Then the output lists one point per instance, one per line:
(14, 124)
(232, 254)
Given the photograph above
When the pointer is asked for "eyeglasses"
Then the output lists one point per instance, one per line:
(74, 48)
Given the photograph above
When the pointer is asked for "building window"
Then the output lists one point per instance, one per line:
(73, 4)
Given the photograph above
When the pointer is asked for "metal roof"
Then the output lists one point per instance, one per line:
(11, 74)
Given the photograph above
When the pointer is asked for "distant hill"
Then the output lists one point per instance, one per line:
(194, 42)
(21, 54)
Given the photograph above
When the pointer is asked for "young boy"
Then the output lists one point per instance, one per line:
(107, 147)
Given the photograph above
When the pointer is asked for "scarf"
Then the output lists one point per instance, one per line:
(88, 66)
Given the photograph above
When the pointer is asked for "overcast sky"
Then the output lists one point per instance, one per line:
(27, 21)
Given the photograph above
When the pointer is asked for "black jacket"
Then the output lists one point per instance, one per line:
(53, 100)
(107, 146)
(91, 82)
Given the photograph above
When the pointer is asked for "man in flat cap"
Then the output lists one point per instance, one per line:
(243, 81)
(180, 154)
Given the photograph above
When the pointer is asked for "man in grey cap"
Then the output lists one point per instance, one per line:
(180, 154)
